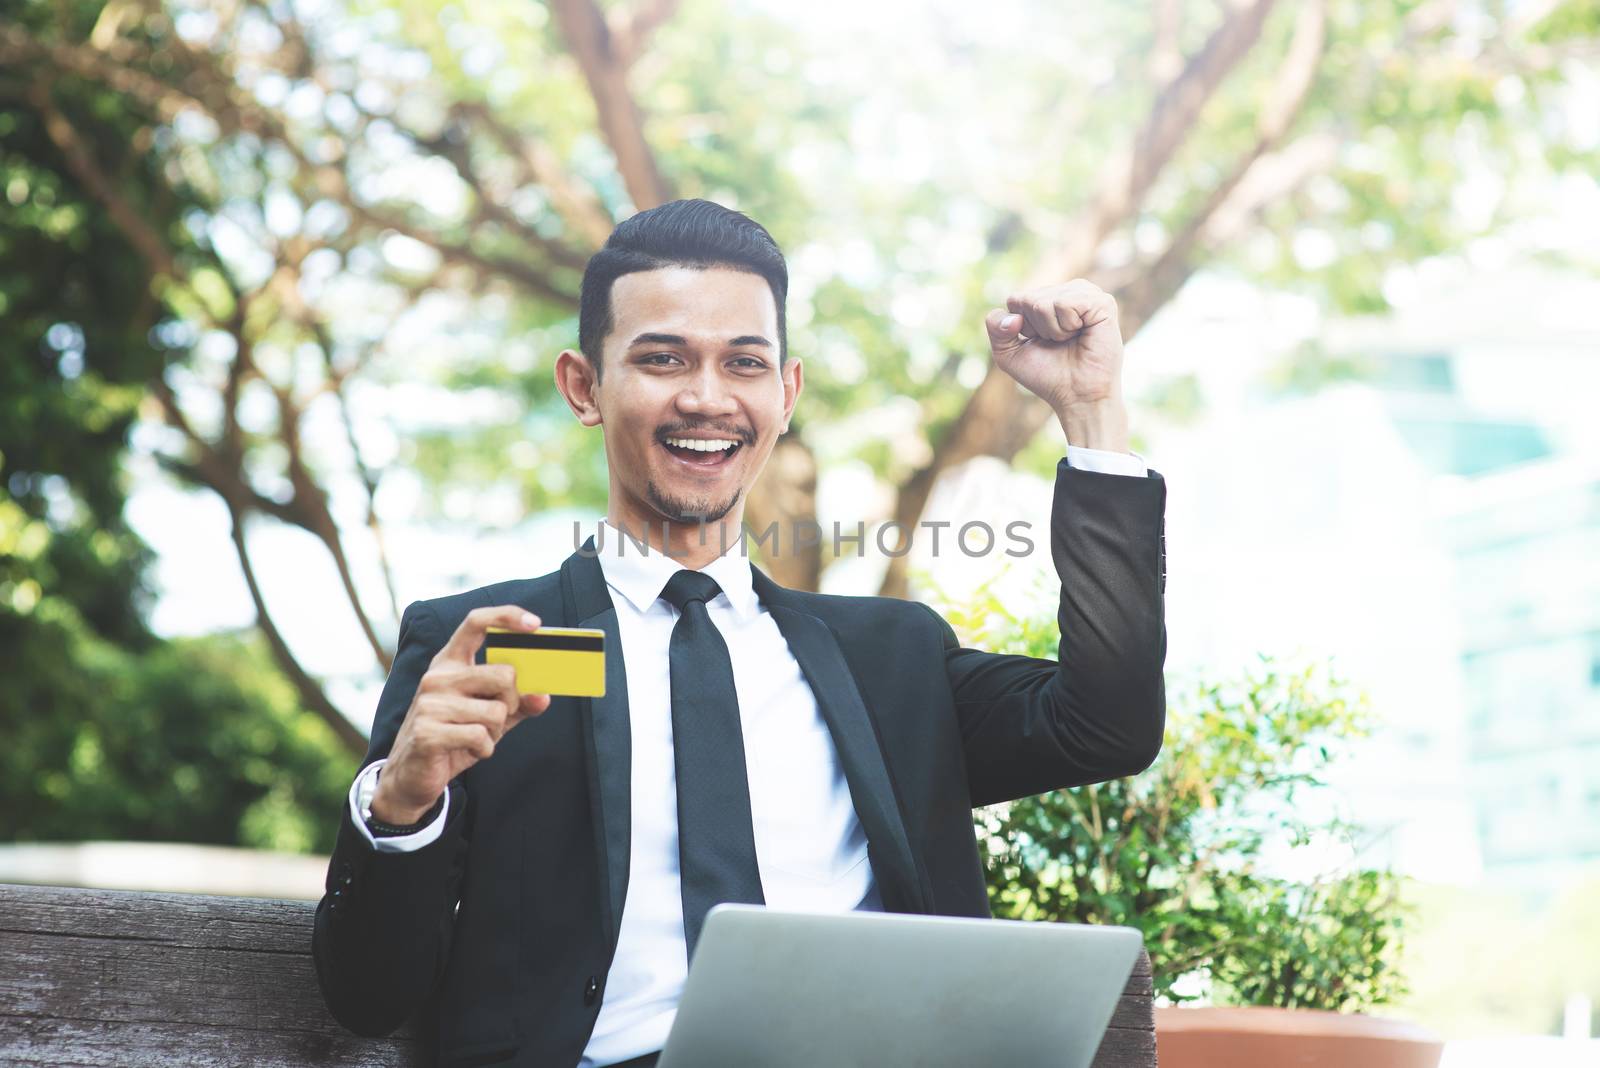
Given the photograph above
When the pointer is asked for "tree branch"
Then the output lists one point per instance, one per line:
(1268, 180)
(573, 200)
(1156, 281)
(77, 155)
(310, 506)
(1127, 177)
(1166, 58)
(284, 283)
(605, 68)
(311, 693)
(1000, 417)
(457, 151)
(236, 113)
(630, 36)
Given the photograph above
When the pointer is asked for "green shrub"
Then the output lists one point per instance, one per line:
(184, 740)
(1180, 852)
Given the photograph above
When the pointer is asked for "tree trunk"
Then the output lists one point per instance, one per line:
(784, 500)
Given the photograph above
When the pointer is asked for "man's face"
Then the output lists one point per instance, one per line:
(692, 397)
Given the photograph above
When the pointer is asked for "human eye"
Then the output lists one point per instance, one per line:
(659, 359)
(749, 363)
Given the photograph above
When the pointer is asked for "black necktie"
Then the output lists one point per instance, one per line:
(716, 839)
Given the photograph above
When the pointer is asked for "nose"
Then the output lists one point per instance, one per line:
(706, 394)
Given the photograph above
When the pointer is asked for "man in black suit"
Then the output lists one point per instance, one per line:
(538, 869)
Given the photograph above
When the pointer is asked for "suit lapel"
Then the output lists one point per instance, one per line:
(607, 731)
(816, 650)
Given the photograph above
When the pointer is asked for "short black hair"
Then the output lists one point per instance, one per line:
(679, 233)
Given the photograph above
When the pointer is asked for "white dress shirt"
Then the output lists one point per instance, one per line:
(810, 848)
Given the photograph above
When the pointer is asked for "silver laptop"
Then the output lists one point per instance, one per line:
(775, 989)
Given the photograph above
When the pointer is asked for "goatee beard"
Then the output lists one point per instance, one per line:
(680, 510)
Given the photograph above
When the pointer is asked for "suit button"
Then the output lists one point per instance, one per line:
(591, 992)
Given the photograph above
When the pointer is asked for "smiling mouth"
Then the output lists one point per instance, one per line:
(708, 453)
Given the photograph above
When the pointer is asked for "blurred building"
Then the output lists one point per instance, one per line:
(1417, 497)
(1498, 407)
(1526, 544)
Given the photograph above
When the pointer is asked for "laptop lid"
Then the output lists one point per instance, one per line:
(785, 990)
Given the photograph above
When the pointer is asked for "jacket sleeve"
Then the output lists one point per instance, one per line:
(382, 930)
(1030, 725)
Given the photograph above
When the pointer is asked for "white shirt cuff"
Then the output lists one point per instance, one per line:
(361, 792)
(1106, 462)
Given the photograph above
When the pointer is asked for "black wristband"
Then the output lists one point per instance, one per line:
(380, 829)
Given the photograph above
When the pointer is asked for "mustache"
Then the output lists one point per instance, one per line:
(743, 435)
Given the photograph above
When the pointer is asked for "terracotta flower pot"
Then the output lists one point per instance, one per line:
(1289, 1038)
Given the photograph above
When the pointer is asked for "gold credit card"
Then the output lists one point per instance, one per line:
(563, 661)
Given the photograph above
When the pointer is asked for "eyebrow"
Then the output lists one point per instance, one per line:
(679, 339)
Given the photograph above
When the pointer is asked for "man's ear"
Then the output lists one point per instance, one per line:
(578, 383)
(793, 383)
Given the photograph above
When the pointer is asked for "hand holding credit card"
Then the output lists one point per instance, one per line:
(460, 711)
(561, 661)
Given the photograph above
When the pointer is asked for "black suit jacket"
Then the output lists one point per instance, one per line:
(505, 926)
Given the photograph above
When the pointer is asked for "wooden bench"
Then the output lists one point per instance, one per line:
(113, 977)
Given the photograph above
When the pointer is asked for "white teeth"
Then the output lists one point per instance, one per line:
(712, 445)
